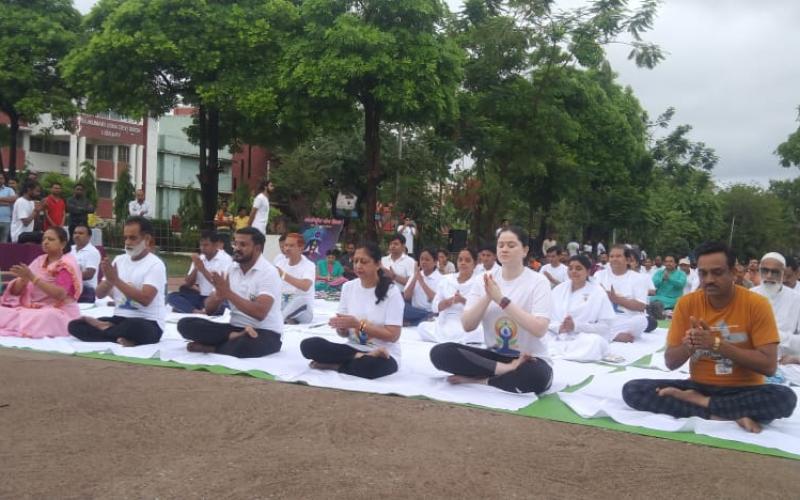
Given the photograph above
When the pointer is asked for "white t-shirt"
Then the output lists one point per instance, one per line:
(418, 297)
(88, 257)
(261, 279)
(149, 270)
(446, 289)
(600, 248)
(279, 260)
(786, 308)
(480, 269)
(218, 264)
(261, 205)
(404, 266)
(559, 273)
(589, 307)
(303, 270)
(408, 233)
(22, 210)
(360, 302)
(647, 280)
(692, 282)
(530, 291)
(629, 285)
(136, 208)
(572, 248)
(449, 268)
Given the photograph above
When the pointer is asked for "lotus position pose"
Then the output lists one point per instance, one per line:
(330, 273)
(627, 292)
(252, 289)
(88, 258)
(728, 334)
(370, 316)
(421, 289)
(451, 295)
(136, 280)
(297, 273)
(513, 305)
(197, 286)
(580, 325)
(42, 299)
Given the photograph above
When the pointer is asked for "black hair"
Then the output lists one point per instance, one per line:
(555, 248)
(257, 236)
(398, 237)
(282, 237)
(791, 263)
(583, 260)
(382, 289)
(489, 247)
(520, 233)
(210, 235)
(88, 229)
(145, 226)
(619, 246)
(429, 250)
(62, 236)
(635, 254)
(472, 253)
(442, 250)
(78, 184)
(332, 251)
(28, 185)
(710, 247)
(55, 184)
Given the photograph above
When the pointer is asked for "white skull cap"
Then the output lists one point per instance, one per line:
(774, 256)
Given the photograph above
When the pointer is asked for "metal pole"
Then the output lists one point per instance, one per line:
(730, 239)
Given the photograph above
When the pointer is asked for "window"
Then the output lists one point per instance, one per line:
(124, 153)
(105, 152)
(41, 144)
(90, 152)
(104, 189)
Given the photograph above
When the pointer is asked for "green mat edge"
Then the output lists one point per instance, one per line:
(549, 407)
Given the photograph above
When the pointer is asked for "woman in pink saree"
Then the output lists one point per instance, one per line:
(43, 297)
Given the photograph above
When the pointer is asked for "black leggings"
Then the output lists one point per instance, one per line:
(137, 330)
(459, 359)
(759, 402)
(216, 334)
(325, 351)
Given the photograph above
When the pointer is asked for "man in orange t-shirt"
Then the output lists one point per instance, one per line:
(55, 208)
(728, 335)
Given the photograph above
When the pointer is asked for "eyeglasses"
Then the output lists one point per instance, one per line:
(767, 271)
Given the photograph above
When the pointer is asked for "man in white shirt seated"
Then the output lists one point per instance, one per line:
(628, 294)
(487, 260)
(88, 258)
(785, 304)
(692, 280)
(136, 280)
(139, 207)
(554, 270)
(397, 266)
(252, 289)
(197, 286)
(790, 274)
(297, 286)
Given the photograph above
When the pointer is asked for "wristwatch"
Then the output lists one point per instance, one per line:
(504, 302)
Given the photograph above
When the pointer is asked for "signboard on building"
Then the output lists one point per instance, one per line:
(114, 131)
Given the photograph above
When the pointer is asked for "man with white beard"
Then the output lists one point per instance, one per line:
(785, 304)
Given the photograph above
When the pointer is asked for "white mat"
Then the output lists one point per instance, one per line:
(648, 343)
(603, 397)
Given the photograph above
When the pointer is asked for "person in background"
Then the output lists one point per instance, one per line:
(548, 243)
(409, 231)
(242, 219)
(7, 198)
(752, 275)
(503, 225)
(298, 274)
(487, 260)
(790, 274)
(198, 284)
(330, 273)
(397, 266)
(223, 222)
(55, 208)
(692, 281)
(739, 279)
(88, 259)
(443, 263)
(23, 216)
(346, 260)
(669, 283)
(78, 208)
(139, 206)
(259, 215)
(421, 288)
(554, 270)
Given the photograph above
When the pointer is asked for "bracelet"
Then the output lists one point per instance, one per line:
(362, 335)
(504, 302)
(35, 280)
(717, 342)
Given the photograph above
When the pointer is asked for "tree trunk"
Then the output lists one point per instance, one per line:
(12, 151)
(372, 157)
(210, 190)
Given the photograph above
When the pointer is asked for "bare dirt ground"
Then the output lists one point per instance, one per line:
(83, 428)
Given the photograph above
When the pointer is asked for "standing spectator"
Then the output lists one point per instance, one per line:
(25, 211)
(242, 220)
(409, 230)
(78, 207)
(572, 248)
(223, 222)
(55, 208)
(346, 260)
(7, 198)
(259, 216)
(548, 243)
(139, 206)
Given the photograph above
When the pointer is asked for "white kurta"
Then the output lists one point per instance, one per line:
(447, 327)
(592, 314)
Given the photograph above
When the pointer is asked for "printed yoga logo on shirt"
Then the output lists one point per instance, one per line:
(505, 330)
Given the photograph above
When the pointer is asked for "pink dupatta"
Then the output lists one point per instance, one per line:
(64, 273)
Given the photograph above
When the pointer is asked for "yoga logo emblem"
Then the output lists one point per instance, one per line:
(506, 336)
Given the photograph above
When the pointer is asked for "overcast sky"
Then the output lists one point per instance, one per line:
(729, 73)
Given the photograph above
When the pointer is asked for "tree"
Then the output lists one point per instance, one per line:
(87, 178)
(761, 223)
(125, 193)
(789, 151)
(388, 60)
(142, 57)
(35, 35)
(190, 210)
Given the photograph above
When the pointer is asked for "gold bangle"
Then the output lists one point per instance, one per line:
(35, 280)
(717, 342)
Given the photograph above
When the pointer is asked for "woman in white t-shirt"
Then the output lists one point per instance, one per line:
(297, 286)
(513, 305)
(580, 323)
(421, 288)
(370, 316)
(451, 295)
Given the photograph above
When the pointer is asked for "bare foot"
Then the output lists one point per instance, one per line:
(248, 330)
(198, 311)
(624, 337)
(689, 395)
(198, 347)
(502, 368)
(790, 360)
(460, 379)
(380, 352)
(100, 325)
(323, 366)
(749, 425)
(125, 342)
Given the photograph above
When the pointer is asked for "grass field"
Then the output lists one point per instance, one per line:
(177, 264)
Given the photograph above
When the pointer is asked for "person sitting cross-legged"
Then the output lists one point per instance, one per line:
(627, 291)
(669, 283)
(197, 286)
(88, 258)
(297, 273)
(252, 289)
(136, 280)
(729, 336)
